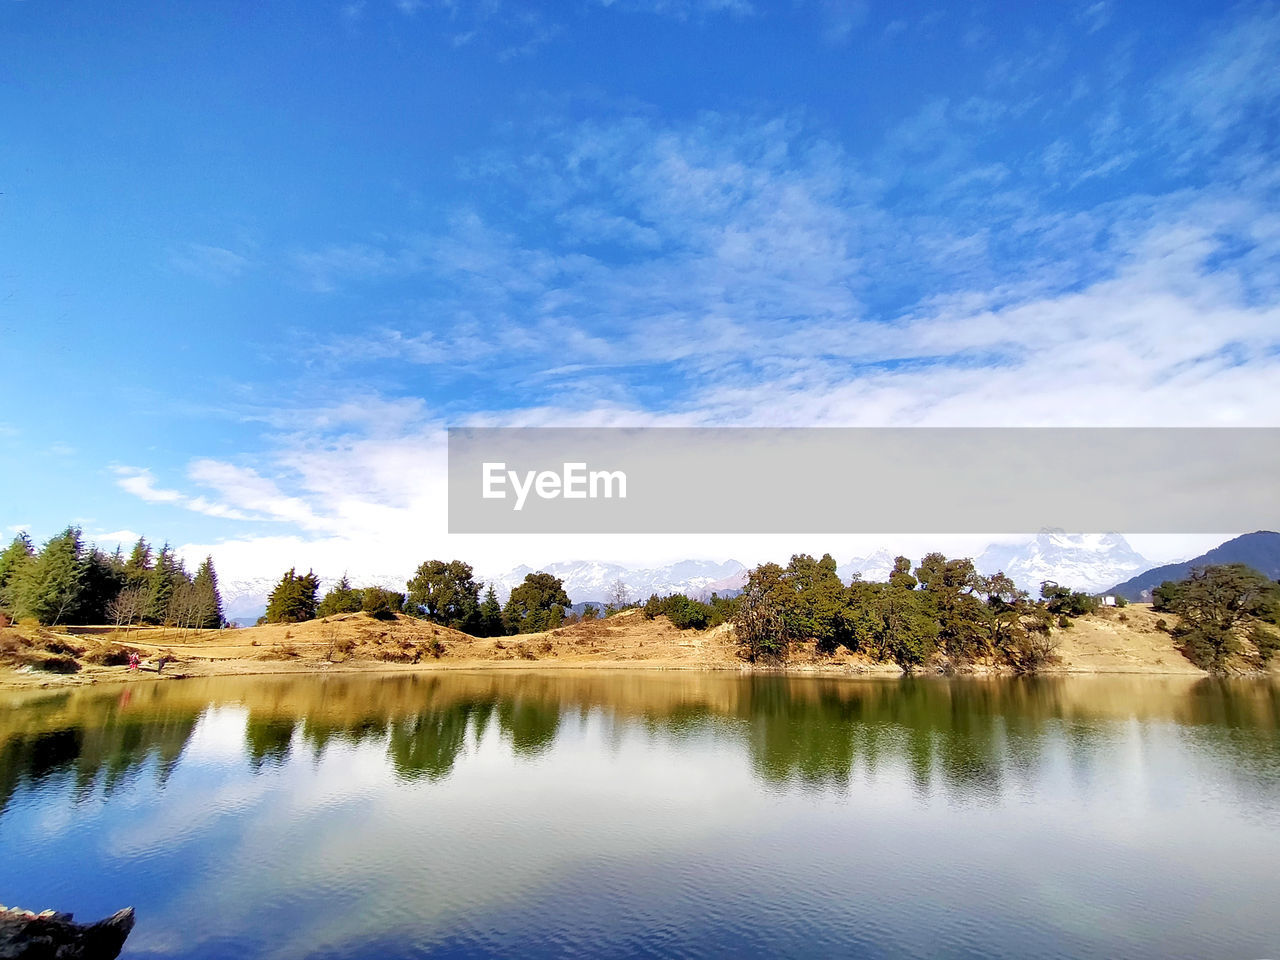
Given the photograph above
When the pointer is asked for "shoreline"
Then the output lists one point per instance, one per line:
(12, 679)
(1117, 643)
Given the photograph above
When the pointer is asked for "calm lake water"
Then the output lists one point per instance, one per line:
(651, 815)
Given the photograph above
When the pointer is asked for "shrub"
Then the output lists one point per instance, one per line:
(382, 604)
(55, 663)
(61, 648)
(112, 655)
(1032, 652)
(1064, 621)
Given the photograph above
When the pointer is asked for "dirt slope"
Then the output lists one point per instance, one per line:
(1126, 640)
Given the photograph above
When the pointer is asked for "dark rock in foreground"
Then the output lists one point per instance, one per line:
(36, 936)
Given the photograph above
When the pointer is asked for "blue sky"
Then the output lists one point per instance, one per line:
(253, 257)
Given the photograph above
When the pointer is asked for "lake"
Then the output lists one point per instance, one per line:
(651, 814)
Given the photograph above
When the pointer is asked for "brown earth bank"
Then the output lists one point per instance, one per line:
(1114, 640)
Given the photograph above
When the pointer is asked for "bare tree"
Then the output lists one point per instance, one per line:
(620, 595)
(127, 607)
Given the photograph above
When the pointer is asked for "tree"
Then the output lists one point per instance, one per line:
(127, 607)
(381, 604)
(163, 579)
(1215, 604)
(208, 599)
(293, 599)
(903, 625)
(619, 595)
(15, 563)
(964, 629)
(137, 568)
(341, 598)
(53, 588)
(816, 605)
(490, 620)
(760, 618)
(537, 604)
(104, 578)
(445, 593)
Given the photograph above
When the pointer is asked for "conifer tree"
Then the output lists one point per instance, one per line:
(137, 568)
(15, 562)
(208, 599)
(293, 599)
(341, 598)
(490, 621)
(163, 579)
(53, 588)
(103, 580)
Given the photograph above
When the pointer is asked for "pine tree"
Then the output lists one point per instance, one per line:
(137, 569)
(341, 598)
(53, 588)
(208, 599)
(163, 579)
(103, 580)
(293, 599)
(15, 562)
(490, 616)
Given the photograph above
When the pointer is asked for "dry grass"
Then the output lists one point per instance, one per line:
(1101, 643)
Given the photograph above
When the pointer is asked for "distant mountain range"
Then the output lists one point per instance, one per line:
(1090, 562)
(589, 581)
(1260, 550)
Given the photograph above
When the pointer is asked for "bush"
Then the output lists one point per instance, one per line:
(1032, 652)
(112, 655)
(382, 604)
(55, 663)
(1064, 621)
(62, 648)
(683, 612)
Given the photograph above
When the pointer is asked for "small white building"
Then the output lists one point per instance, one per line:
(1107, 600)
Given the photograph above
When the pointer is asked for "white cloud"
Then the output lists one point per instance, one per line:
(736, 270)
(142, 484)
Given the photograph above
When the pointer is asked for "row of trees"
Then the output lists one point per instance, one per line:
(444, 592)
(686, 613)
(942, 607)
(67, 582)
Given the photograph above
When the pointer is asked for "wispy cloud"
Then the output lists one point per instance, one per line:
(209, 262)
(141, 483)
(991, 259)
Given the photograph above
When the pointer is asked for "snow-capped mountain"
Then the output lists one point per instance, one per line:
(1090, 562)
(587, 580)
(877, 566)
